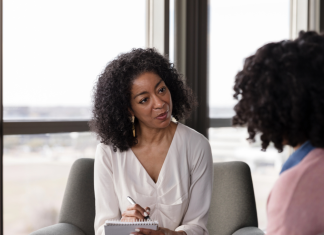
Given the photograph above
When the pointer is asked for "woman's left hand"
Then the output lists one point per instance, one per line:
(160, 231)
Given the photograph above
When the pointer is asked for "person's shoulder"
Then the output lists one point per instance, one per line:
(105, 157)
(105, 151)
(314, 156)
(196, 143)
(292, 180)
(298, 189)
(312, 165)
(106, 148)
(299, 175)
(191, 135)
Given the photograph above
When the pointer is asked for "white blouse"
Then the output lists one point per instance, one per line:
(180, 198)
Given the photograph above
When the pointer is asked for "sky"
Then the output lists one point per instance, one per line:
(54, 50)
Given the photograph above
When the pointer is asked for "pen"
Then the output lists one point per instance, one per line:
(133, 203)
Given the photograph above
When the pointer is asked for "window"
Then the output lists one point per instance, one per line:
(236, 30)
(52, 55)
(55, 50)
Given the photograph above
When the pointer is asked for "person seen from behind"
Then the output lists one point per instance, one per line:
(280, 93)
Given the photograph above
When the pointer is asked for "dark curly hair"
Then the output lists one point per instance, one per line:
(112, 93)
(281, 92)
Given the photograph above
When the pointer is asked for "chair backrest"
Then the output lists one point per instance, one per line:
(78, 207)
(233, 203)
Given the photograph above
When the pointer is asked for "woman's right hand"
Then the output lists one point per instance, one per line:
(135, 212)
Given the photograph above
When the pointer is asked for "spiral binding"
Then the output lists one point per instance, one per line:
(123, 223)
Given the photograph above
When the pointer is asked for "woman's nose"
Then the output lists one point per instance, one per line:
(158, 103)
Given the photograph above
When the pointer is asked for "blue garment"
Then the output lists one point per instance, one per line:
(297, 156)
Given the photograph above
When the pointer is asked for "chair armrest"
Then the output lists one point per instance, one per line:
(249, 231)
(61, 229)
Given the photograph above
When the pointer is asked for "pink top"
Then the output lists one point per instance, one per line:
(296, 202)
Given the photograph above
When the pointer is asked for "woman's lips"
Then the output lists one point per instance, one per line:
(162, 116)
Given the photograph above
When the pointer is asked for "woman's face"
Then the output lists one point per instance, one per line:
(151, 101)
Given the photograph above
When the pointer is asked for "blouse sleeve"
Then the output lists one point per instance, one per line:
(106, 201)
(201, 184)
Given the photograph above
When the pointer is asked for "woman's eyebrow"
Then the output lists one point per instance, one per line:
(140, 94)
(157, 84)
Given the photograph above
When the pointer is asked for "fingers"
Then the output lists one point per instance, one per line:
(139, 209)
(166, 231)
(136, 211)
(148, 210)
(133, 213)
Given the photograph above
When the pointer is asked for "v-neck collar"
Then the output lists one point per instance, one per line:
(155, 184)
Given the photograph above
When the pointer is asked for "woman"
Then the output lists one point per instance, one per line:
(164, 166)
(281, 96)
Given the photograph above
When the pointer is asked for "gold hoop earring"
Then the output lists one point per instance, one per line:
(133, 126)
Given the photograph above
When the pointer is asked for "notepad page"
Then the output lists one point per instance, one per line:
(125, 228)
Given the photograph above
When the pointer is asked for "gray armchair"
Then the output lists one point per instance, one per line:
(78, 207)
(232, 209)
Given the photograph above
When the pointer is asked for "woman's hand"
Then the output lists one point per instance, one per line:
(135, 212)
(160, 231)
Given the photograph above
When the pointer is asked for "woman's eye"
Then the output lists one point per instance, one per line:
(143, 101)
(162, 89)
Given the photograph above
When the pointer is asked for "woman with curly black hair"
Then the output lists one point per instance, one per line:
(281, 96)
(163, 165)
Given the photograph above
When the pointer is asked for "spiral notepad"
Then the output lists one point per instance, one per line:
(117, 227)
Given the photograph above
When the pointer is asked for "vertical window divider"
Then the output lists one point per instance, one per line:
(299, 17)
(1, 112)
(314, 15)
(157, 25)
(321, 17)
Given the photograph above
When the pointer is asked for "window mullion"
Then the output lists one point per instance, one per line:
(157, 25)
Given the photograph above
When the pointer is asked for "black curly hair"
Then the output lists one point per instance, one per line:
(112, 93)
(281, 92)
